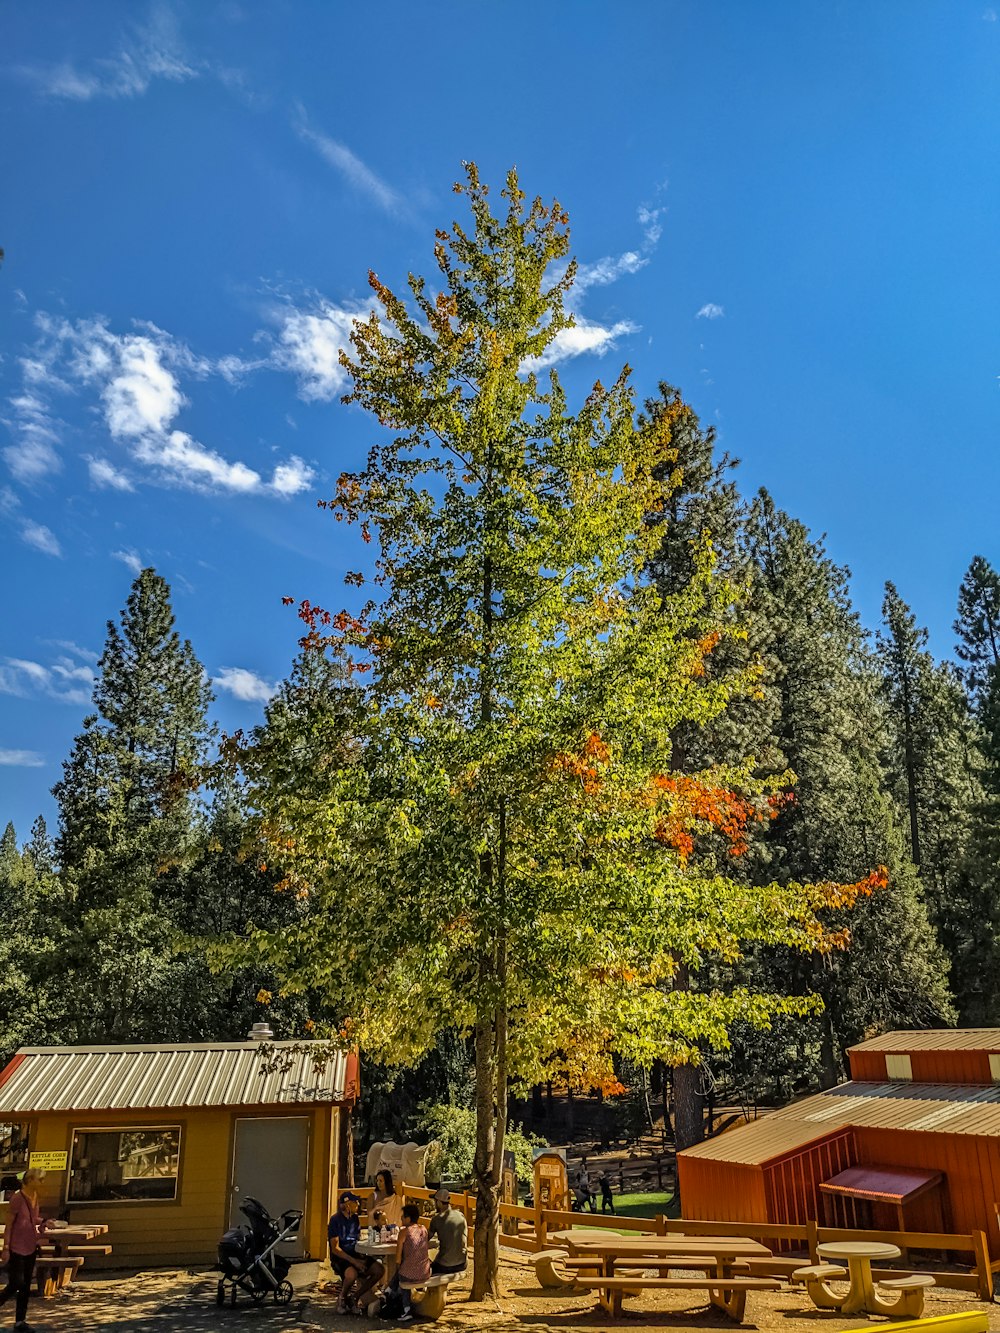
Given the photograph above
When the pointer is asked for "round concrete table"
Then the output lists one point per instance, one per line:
(858, 1255)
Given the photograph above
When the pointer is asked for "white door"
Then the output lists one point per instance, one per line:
(270, 1164)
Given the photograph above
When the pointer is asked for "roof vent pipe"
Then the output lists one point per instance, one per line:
(260, 1032)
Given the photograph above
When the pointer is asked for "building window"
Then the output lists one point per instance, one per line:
(13, 1147)
(123, 1165)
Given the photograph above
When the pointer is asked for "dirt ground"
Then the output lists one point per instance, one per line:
(169, 1302)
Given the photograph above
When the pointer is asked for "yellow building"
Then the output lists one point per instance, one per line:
(164, 1142)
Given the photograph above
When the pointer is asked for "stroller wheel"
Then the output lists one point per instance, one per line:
(220, 1293)
(257, 1295)
(283, 1292)
(232, 1295)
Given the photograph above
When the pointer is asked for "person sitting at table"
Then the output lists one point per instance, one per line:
(452, 1232)
(20, 1241)
(385, 1201)
(343, 1234)
(412, 1260)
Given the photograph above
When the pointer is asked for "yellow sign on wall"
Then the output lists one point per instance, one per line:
(47, 1161)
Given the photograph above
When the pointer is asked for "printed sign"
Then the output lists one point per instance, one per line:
(47, 1161)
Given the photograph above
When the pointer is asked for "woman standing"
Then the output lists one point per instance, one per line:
(20, 1241)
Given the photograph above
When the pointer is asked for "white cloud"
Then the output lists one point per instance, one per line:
(105, 474)
(87, 654)
(989, 15)
(292, 477)
(130, 559)
(152, 53)
(340, 157)
(710, 311)
(40, 537)
(64, 680)
(244, 685)
(20, 759)
(309, 345)
(608, 270)
(649, 221)
(32, 455)
(138, 379)
(585, 336)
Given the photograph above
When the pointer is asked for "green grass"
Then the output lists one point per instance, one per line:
(638, 1205)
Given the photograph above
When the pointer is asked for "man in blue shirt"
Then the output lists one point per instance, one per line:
(343, 1235)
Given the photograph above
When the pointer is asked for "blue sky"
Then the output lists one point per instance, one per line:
(788, 208)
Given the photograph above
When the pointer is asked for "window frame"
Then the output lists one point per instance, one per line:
(130, 1128)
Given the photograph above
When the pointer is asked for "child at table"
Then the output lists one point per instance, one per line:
(20, 1241)
(412, 1259)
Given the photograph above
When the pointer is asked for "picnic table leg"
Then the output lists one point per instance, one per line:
(822, 1296)
(862, 1293)
(732, 1302)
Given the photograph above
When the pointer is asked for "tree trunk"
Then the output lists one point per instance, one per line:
(491, 1128)
(345, 1156)
(689, 1103)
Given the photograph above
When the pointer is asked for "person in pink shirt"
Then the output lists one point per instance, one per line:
(20, 1242)
(412, 1260)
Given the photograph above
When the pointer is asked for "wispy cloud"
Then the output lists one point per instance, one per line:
(31, 455)
(105, 475)
(152, 52)
(33, 534)
(244, 685)
(585, 336)
(347, 163)
(66, 680)
(130, 559)
(710, 311)
(649, 221)
(40, 537)
(20, 759)
(137, 378)
(989, 15)
(608, 270)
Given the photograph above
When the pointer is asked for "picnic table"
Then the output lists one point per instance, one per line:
(861, 1295)
(62, 1252)
(616, 1265)
(382, 1250)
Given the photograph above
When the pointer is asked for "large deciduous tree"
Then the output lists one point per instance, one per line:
(496, 842)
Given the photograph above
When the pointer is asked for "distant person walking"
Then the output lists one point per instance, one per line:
(20, 1242)
(585, 1196)
(607, 1198)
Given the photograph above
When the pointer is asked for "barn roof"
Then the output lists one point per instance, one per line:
(934, 1039)
(135, 1077)
(913, 1107)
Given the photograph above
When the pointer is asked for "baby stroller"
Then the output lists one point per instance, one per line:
(248, 1257)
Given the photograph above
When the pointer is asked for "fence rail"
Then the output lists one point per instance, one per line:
(529, 1229)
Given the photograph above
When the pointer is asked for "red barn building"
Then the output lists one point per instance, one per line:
(911, 1143)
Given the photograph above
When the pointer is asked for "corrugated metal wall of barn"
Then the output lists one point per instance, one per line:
(715, 1191)
(971, 1165)
(869, 1066)
(790, 1183)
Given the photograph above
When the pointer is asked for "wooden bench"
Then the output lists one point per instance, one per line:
(430, 1305)
(55, 1271)
(729, 1294)
(912, 1289)
(77, 1249)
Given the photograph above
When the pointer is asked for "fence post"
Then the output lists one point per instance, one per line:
(661, 1224)
(540, 1224)
(812, 1240)
(983, 1271)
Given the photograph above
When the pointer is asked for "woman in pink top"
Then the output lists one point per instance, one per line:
(20, 1241)
(413, 1263)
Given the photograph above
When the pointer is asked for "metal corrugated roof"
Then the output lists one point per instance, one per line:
(934, 1039)
(133, 1078)
(958, 1108)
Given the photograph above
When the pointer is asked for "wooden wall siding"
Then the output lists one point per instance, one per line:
(790, 1183)
(971, 1165)
(185, 1230)
(721, 1191)
(928, 1066)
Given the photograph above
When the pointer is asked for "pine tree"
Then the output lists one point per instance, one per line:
(978, 628)
(127, 820)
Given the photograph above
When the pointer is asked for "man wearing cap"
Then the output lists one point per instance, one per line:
(452, 1232)
(343, 1235)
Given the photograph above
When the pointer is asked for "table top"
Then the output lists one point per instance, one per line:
(857, 1249)
(691, 1246)
(376, 1247)
(71, 1235)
